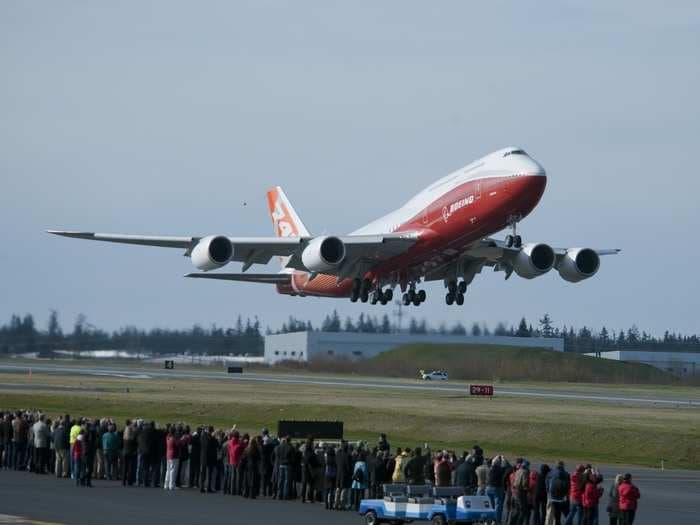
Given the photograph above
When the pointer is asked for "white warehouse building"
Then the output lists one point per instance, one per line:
(303, 346)
(677, 363)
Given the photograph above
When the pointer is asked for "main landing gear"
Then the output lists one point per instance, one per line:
(455, 292)
(362, 290)
(413, 297)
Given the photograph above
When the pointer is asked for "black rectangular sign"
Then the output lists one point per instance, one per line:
(314, 429)
(169, 365)
(235, 370)
(481, 390)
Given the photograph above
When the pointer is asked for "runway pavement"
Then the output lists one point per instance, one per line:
(602, 396)
(667, 497)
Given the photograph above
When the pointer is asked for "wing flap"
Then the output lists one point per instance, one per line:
(266, 278)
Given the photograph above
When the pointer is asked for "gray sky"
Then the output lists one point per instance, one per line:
(164, 117)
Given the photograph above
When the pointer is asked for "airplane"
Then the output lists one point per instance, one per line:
(444, 233)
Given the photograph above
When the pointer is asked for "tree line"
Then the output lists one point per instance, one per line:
(21, 335)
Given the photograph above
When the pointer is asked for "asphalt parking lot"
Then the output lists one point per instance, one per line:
(667, 497)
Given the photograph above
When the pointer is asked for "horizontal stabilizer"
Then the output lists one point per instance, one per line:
(269, 278)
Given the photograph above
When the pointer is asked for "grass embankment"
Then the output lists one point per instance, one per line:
(500, 363)
(536, 428)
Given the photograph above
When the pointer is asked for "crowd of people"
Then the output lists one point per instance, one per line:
(338, 475)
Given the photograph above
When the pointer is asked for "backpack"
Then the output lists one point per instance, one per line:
(330, 471)
(558, 488)
(359, 476)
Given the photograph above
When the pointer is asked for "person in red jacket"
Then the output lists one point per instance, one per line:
(235, 453)
(576, 485)
(590, 497)
(629, 494)
(78, 453)
(172, 455)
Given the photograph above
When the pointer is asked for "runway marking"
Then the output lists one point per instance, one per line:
(19, 520)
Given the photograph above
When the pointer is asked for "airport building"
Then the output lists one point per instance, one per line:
(678, 363)
(303, 346)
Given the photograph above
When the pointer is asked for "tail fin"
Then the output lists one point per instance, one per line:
(285, 220)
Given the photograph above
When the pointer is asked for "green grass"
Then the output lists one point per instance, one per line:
(537, 428)
(515, 364)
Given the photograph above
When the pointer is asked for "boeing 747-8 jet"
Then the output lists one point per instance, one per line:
(441, 234)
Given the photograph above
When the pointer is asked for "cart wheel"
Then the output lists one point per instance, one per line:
(371, 518)
(439, 519)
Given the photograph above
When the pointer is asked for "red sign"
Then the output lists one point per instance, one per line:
(481, 390)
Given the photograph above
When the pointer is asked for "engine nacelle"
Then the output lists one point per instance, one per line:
(212, 252)
(578, 264)
(534, 260)
(323, 254)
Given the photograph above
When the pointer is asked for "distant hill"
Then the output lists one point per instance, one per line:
(511, 364)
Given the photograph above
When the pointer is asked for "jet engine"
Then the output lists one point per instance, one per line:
(323, 254)
(534, 260)
(212, 252)
(578, 264)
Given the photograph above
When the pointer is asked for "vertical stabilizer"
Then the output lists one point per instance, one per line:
(285, 220)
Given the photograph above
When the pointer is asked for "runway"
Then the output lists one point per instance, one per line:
(667, 497)
(557, 393)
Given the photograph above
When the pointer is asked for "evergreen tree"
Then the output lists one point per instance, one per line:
(523, 330)
(386, 325)
(546, 326)
(476, 330)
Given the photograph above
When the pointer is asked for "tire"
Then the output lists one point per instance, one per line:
(449, 298)
(388, 294)
(422, 296)
(459, 299)
(371, 518)
(411, 295)
(374, 299)
(406, 301)
(452, 286)
(356, 284)
(509, 241)
(364, 296)
(439, 519)
(462, 288)
(416, 300)
(517, 241)
(354, 297)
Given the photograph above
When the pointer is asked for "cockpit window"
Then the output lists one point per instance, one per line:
(515, 152)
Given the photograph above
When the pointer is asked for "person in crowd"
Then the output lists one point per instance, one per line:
(613, 507)
(443, 471)
(414, 470)
(376, 465)
(399, 463)
(576, 486)
(110, 451)
(60, 445)
(284, 453)
(557, 484)
(495, 485)
(207, 460)
(359, 480)
(629, 496)
(195, 457)
(129, 454)
(308, 468)
(267, 466)
(539, 496)
(172, 454)
(383, 444)
(590, 496)
(183, 475)
(78, 453)
(330, 472)
(20, 435)
(42, 437)
(482, 477)
(6, 441)
(252, 459)
(520, 494)
(75, 428)
(343, 463)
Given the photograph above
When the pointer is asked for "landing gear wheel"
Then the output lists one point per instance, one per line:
(371, 518)
(374, 298)
(388, 294)
(509, 241)
(411, 295)
(462, 288)
(405, 299)
(452, 287)
(450, 298)
(517, 241)
(364, 295)
(354, 296)
(421, 296)
(416, 300)
(459, 299)
(356, 284)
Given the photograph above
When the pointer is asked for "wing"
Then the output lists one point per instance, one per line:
(362, 251)
(267, 278)
(489, 252)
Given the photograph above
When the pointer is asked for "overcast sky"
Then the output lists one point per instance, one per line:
(166, 117)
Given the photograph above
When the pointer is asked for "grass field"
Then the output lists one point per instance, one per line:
(537, 428)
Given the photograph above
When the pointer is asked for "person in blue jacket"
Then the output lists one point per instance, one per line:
(359, 480)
